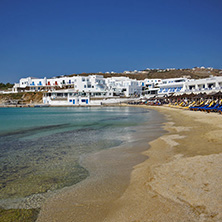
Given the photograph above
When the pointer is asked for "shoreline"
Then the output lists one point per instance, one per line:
(180, 180)
(110, 172)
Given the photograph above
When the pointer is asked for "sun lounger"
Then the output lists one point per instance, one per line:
(219, 109)
(209, 109)
(196, 108)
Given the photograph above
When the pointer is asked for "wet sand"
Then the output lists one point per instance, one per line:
(178, 179)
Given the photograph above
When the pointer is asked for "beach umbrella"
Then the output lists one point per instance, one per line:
(218, 94)
(171, 96)
(200, 95)
(210, 95)
(184, 95)
(191, 95)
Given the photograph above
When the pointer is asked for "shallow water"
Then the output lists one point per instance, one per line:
(41, 147)
(110, 174)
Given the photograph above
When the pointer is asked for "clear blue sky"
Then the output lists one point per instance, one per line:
(58, 37)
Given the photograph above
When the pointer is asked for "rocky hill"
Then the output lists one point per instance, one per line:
(21, 98)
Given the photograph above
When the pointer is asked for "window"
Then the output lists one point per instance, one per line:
(211, 85)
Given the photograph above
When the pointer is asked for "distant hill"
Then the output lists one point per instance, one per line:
(196, 73)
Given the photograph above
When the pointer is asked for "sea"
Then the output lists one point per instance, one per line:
(41, 149)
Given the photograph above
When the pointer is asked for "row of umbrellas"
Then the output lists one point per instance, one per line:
(191, 96)
(198, 96)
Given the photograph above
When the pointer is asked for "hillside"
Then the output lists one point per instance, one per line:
(21, 98)
(152, 74)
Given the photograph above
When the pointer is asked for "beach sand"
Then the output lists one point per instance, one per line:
(180, 180)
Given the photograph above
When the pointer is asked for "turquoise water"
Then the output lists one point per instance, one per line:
(41, 148)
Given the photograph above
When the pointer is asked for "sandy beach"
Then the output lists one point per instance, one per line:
(179, 180)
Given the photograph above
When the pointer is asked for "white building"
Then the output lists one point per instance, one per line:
(95, 89)
(183, 85)
(30, 83)
(150, 86)
(124, 86)
(65, 97)
(92, 83)
(172, 85)
(210, 84)
(69, 97)
(150, 83)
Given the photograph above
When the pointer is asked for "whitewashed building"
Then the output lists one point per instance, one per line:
(210, 84)
(124, 86)
(183, 85)
(150, 86)
(172, 85)
(69, 97)
(30, 84)
(95, 89)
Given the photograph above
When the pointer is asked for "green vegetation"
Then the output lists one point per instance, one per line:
(19, 215)
(5, 86)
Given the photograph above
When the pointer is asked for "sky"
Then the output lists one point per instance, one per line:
(46, 38)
